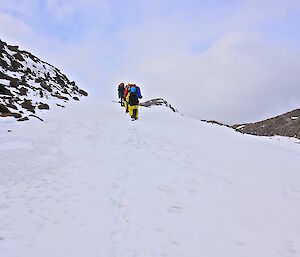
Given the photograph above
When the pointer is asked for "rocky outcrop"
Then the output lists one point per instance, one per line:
(158, 101)
(28, 85)
(287, 125)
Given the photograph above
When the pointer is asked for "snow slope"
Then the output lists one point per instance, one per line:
(91, 183)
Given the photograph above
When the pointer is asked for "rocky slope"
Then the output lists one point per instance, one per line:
(29, 86)
(287, 124)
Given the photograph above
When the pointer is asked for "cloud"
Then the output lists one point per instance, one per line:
(240, 78)
(211, 59)
(66, 9)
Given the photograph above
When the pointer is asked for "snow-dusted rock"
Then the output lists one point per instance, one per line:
(29, 85)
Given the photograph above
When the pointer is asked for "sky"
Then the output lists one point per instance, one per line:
(232, 61)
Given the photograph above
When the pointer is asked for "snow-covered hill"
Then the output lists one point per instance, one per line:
(96, 184)
(29, 86)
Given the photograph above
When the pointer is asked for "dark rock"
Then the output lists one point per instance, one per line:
(65, 91)
(62, 106)
(76, 98)
(43, 106)
(28, 106)
(28, 71)
(4, 109)
(60, 96)
(82, 92)
(14, 82)
(23, 91)
(59, 80)
(4, 76)
(12, 114)
(45, 86)
(13, 48)
(19, 57)
(4, 64)
(4, 90)
(16, 65)
(38, 80)
(216, 123)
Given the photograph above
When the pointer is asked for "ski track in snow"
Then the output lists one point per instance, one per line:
(91, 183)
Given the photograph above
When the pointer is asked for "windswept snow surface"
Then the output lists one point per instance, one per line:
(91, 183)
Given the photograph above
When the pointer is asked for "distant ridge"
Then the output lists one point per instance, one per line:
(29, 86)
(287, 125)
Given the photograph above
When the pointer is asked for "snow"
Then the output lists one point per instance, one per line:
(4, 82)
(13, 74)
(89, 182)
(39, 67)
(294, 117)
(240, 127)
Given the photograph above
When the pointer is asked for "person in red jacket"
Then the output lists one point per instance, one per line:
(121, 93)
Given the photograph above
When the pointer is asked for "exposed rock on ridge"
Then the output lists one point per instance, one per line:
(287, 125)
(30, 86)
(158, 101)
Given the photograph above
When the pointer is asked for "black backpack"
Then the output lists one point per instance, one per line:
(133, 100)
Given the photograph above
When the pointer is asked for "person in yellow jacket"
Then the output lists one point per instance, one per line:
(133, 103)
(126, 93)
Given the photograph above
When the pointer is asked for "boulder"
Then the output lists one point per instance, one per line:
(57, 95)
(15, 65)
(23, 91)
(4, 109)
(43, 106)
(82, 92)
(28, 106)
(4, 90)
(45, 86)
(14, 82)
(19, 57)
(12, 114)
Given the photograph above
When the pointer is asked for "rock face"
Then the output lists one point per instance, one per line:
(158, 101)
(30, 86)
(287, 125)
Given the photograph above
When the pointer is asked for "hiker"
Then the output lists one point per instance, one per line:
(126, 92)
(138, 91)
(121, 90)
(133, 103)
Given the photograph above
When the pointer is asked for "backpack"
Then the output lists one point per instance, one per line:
(133, 100)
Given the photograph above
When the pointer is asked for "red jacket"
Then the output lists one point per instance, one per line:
(126, 91)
